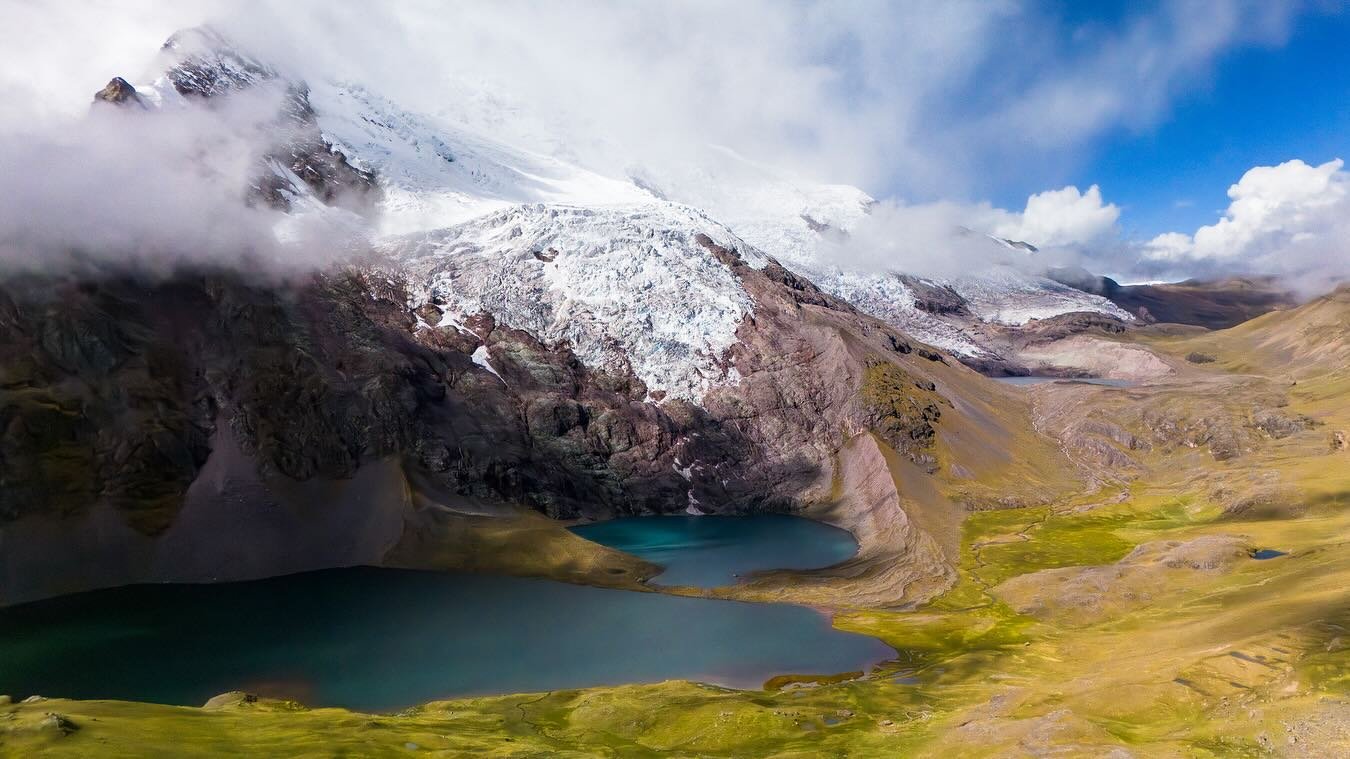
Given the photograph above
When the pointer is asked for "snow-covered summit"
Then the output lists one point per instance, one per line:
(545, 246)
(478, 225)
(435, 174)
(607, 263)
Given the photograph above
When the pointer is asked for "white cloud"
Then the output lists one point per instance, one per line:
(926, 239)
(55, 56)
(1275, 205)
(1292, 219)
(1129, 75)
(1063, 217)
(1169, 246)
(921, 99)
(157, 188)
(1045, 97)
(948, 239)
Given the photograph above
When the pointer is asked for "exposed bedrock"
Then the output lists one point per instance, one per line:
(908, 535)
(234, 523)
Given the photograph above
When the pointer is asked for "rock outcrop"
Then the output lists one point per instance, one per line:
(207, 427)
(203, 67)
(119, 91)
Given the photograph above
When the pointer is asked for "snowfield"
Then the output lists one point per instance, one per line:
(627, 287)
(561, 252)
(1004, 295)
(435, 175)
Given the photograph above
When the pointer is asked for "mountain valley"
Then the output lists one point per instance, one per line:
(508, 344)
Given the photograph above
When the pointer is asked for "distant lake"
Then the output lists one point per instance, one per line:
(384, 639)
(709, 551)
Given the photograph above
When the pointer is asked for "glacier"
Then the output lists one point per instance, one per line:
(607, 264)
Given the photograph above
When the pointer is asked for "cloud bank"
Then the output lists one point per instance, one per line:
(119, 186)
(156, 189)
(920, 100)
(1063, 217)
(1291, 220)
(947, 239)
(921, 104)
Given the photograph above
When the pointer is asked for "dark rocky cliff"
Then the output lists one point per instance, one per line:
(127, 399)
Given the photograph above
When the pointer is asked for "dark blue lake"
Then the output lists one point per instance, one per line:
(709, 551)
(1267, 553)
(383, 639)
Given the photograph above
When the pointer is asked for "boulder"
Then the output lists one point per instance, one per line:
(232, 698)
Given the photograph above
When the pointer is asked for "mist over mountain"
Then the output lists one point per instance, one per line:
(618, 92)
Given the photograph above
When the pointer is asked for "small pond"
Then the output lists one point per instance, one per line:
(1262, 554)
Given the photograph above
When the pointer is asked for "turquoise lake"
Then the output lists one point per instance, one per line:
(384, 639)
(709, 551)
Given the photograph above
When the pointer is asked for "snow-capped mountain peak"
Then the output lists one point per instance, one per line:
(202, 61)
(607, 264)
(436, 175)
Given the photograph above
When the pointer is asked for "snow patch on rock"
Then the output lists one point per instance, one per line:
(481, 357)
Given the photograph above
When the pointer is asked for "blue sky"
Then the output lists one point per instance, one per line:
(1260, 105)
